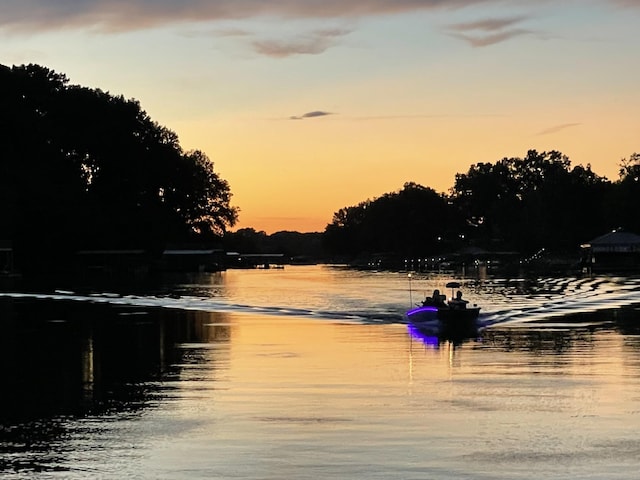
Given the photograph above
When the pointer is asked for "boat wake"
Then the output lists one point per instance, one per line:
(558, 302)
(540, 303)
(215, 304)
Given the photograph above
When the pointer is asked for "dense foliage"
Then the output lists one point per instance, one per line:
(294, 246)
(532, 202)
(407, 222)
(82, 169)
(516, 204)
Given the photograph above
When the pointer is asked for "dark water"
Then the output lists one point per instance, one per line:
(312, 372)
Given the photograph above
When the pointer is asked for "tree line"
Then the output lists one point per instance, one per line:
(83, 169)
(515, 204)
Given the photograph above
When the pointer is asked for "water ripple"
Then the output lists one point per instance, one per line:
(507, 302)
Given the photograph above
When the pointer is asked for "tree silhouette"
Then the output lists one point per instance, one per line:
(531, 202)
(516, 204)
(81, 168)
(410, 222)
(627, 195)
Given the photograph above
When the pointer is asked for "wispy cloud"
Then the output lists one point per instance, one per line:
(314, 114)
(223, 32)
(125, 15)
(312, 43)
(487, 24)
(486, 40)
(489, 31)
(557, 128)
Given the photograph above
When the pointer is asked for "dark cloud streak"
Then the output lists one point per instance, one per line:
(557, 128)
(487, 25)
(314, 114)
(486, 40)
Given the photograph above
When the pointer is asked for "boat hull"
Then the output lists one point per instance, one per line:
(449, 321)
(462, 315)
(459, 323)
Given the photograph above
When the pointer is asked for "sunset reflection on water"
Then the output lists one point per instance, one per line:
(118, 390)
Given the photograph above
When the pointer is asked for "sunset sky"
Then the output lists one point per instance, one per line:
(308, 106)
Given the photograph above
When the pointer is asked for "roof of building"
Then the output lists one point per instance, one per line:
(210, 251)
(616, 237)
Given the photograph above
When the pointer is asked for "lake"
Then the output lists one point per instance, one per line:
(312, 372)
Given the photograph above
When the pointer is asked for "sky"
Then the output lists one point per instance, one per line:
(309, 106)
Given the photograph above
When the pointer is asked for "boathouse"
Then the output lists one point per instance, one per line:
(193, 260)
(255, 260)
(614, 251)
(6, 257)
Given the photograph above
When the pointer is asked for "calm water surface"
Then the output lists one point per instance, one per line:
(312, 372)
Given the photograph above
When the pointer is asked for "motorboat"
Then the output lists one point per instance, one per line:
(454, 315)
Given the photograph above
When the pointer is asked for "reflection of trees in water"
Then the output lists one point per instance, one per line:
(61, 359)
(81, 357)
(28, 446)
(628, 323)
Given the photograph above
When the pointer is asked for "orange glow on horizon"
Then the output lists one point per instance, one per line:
(295, 175)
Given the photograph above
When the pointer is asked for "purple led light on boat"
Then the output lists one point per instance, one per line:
(421, 309)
